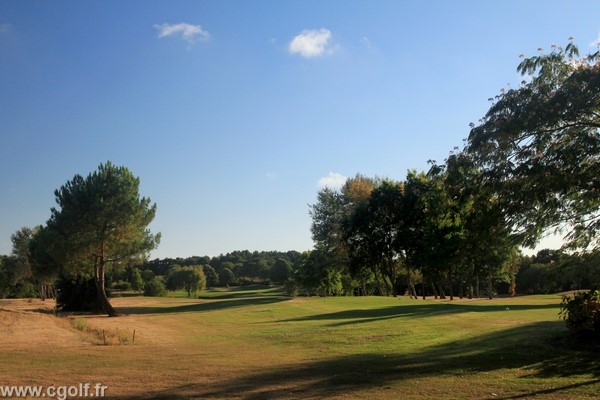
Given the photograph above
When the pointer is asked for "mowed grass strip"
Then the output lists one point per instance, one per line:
(260, 344)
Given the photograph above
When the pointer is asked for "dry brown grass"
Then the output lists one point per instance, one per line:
(271, 348)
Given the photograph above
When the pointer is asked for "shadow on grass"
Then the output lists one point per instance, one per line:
(415, 310)
(210, 305)
(242, 291)
(534, 349)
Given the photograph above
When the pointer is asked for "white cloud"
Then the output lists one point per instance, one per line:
(189, 33)
(333, 180)
(311, 43)
(271, 175)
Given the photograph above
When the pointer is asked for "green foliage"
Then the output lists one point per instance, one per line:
(121, 285)
(136, 280)
(21, 252)
(291, 287)
(226, 277)
(101, 222)
(155, 287)
(331, 284)
(280, 272)
(212, 278)
(190, 278)
(5, 284)
(147, 275)
(540, 150)
(582, 314)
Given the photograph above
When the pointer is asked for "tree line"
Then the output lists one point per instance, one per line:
(528, 167)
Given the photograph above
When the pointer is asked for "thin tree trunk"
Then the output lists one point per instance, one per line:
(423, 288)
(102, 298)
(477, 286)
(490, 288)
(442, 294)
(410, 291)
(435, 294)
(470, 290)
(513, 286)
(413, 291)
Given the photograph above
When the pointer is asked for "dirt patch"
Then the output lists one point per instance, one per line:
(26, 324)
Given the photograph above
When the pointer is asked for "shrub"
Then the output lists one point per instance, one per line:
(77, 294)
(582, 314)
(155, 287)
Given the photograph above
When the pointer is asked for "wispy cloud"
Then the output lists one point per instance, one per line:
(271, 175)
(5, 28)
(311, 43)
(189, 33)
(333, 180)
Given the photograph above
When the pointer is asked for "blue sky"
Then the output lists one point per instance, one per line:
(233, 113)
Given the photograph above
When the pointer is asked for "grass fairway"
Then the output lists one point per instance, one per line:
(259, 344)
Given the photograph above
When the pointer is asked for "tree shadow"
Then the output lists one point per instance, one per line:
(243, 291)
(209, 305)
(531, 348)
(348, 317)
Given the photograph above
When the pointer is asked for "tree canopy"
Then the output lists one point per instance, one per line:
(539, 148)
(101, 221)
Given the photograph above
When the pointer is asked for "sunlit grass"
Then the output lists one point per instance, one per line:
(258, 343)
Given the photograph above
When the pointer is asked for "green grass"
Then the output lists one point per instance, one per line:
(256, 343)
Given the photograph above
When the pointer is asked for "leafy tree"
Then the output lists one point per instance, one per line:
(155, 287)
(190, 278)
(539, 146)
(101, 221)
(147, 275)
(212, 278)
(44, 267)
(582, 314)
(5, 284)
(281, 271)
(137, 283)
(226, 277)
(373, 234)
(330, 215)
(21, 252)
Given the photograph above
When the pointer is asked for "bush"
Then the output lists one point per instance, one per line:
(155, 287)
(582, 314)
(77, 294)
(121, 285)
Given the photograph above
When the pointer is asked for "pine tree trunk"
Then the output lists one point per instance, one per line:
(490, 288)
(442, 294)
(102, 298)
(477, 286)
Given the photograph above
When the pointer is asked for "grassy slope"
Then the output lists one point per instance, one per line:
(258, 344)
